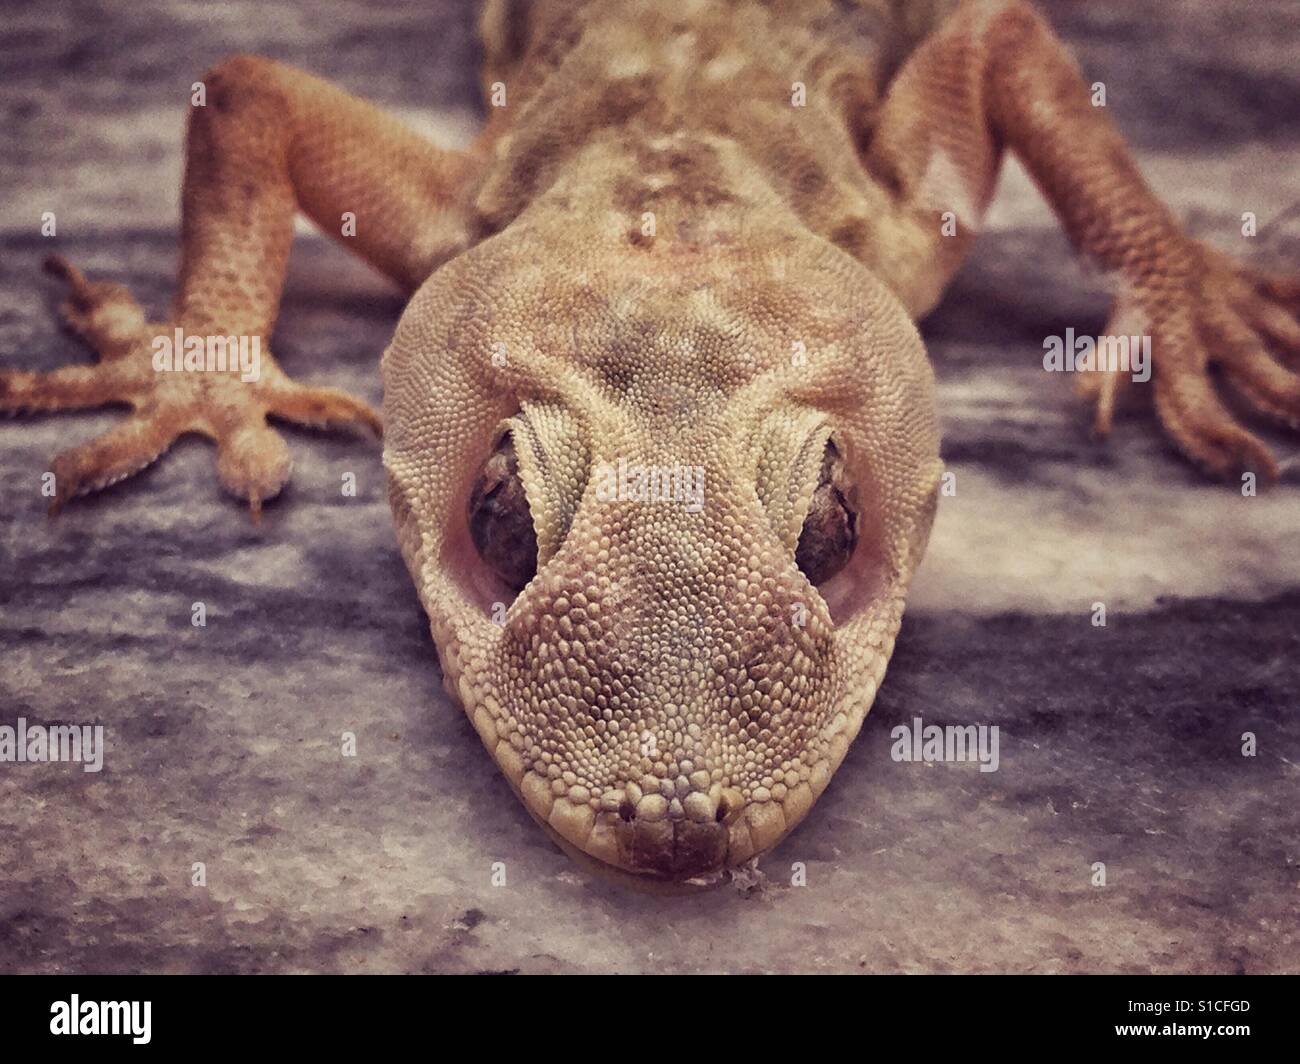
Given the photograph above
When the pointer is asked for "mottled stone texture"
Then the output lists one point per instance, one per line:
(1120, 745)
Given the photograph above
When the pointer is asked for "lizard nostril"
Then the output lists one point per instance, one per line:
(626, 809)
(723, 810)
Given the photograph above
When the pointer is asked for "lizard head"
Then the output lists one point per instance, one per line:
(662, 525)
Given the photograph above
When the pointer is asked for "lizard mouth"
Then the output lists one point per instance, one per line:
(683, 822)
(683, 859)
(671, 836)
(663, 845)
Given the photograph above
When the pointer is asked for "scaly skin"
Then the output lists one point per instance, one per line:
(653, 255)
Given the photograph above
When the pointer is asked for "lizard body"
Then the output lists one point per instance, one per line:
(687, 252)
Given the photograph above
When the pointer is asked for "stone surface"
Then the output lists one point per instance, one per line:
(1120, 745)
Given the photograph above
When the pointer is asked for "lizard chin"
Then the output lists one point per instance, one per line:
(675, 831)
(661, 845)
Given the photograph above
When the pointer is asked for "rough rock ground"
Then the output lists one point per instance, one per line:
(1119, 745)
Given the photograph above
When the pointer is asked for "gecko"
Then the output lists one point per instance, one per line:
(659, 429)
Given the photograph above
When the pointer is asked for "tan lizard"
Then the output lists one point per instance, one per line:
(680, 265)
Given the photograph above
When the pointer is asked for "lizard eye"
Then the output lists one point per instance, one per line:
(830, 531)
(500, 522)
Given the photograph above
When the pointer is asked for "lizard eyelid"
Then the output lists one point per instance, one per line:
(831, 528)
(500, 519)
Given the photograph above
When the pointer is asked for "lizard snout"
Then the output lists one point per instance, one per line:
(674, 828)
(676, 849)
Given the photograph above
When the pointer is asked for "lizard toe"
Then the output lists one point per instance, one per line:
(1278, 326)
(320, 407)
(102, 313)
(66, 388)
(1205, 431)
(253, 463)
(125, 449)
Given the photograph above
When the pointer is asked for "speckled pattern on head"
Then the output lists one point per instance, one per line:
(669, 695)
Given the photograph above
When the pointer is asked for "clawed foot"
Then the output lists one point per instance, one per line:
(1201, 309)
(253, 461)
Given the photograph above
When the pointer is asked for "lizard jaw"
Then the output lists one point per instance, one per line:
(636, 835)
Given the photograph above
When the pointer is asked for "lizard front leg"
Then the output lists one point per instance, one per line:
(269, 140)
(994, 75)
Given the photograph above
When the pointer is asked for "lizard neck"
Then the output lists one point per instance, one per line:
(710, 126)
